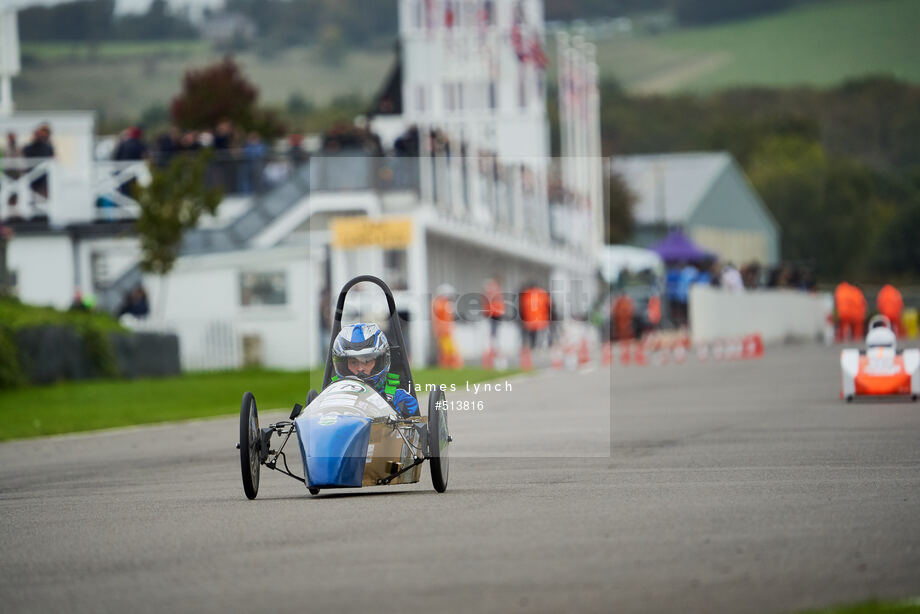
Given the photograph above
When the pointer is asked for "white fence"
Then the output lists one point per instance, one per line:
(18, 177)
(778, 315)
(110, 188)
(204, 345)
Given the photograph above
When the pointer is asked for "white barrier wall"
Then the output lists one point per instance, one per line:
(778, 315)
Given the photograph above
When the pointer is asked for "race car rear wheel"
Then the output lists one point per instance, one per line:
(438, 440)
(250, 445)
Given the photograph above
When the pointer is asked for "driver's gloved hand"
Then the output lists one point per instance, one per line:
(405, 403)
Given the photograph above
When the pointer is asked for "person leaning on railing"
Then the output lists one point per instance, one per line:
(40, 147)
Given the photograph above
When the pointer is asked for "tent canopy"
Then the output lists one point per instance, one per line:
(678, 247)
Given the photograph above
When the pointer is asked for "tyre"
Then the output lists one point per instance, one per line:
(438, 441)
(250, 445)
(313, 491)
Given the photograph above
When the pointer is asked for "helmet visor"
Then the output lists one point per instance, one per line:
(363, 367)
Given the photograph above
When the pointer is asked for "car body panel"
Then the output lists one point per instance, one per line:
(347, 439)
(880, 371)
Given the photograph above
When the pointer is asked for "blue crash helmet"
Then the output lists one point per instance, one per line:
(365, 342)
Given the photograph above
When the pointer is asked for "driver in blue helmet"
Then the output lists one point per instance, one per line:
(362, 350)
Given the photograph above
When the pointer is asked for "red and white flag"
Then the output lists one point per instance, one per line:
(450, 14)
(536, 54)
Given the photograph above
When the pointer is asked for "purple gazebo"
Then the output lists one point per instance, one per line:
(677, 247)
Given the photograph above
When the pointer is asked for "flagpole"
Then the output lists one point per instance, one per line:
(562, 102)
(594, 149)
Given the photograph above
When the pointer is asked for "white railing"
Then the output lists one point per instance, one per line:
(18, 199)
(110, 184)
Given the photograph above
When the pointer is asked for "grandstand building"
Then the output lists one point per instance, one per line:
(454, 183)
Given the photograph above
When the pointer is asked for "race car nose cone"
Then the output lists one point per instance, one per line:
(334, 449)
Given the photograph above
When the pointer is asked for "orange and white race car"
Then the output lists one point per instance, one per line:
(881, 369)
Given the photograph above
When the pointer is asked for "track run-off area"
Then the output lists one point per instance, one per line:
(744, 486)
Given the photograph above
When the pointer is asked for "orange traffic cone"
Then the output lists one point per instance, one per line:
(679, 353)
(702, 352)
(488, 359)
(639, 357)
(753, 346)
(556, 357)
(571, 360)
(584, 354)
(526, 360)
(607, 354)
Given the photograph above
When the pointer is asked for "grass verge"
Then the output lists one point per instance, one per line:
(90, 405)
(907, 606)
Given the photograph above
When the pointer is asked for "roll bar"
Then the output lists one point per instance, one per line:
(879, 321)
(398, 357)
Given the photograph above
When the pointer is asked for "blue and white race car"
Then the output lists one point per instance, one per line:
(348, 434)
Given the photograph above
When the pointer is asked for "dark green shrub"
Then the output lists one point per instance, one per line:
(10, 371)
(93, 329)
(99, 351)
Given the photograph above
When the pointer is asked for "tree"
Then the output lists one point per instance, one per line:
(85, 20)
(170, 204)
(620, 205)
(158, 23)
(212, 94)
(898, 249)
(218, 92)
(788, 173)
(827, 208)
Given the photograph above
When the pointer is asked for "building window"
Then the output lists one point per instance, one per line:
(396, 270)
(263, 288)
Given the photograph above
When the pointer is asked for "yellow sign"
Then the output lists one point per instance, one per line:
(354, 232)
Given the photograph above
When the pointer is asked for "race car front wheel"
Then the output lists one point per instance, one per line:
(250, 445)
(438, 440)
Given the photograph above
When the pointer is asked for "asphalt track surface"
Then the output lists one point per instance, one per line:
(730, 487)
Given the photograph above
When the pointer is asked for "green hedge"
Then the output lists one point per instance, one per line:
(92, 327)
(16, 315)
(10, 371)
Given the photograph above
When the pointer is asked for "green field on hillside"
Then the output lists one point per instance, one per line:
(114, 50)
(818, 44)
(121, 80)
